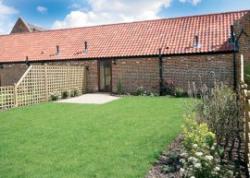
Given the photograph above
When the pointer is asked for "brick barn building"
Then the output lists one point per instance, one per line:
(147, 53)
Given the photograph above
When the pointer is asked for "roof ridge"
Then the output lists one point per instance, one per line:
(122, 23)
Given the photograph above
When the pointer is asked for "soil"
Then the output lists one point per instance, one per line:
(156, 170)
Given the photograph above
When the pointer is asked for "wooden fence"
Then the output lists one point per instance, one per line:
(244, 96)
(245, 102)
(39, 82)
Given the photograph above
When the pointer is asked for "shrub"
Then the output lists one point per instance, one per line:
(247, 74)
(221, 111)
(140, 91)
(120, 89)
(75, 93)
(179, 92)
(169, 88)
(65, 94)
(172, 164)
(54, 96)
(202, 155)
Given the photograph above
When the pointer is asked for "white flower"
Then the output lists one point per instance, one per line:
(182, 161)
(192, 159)
(192, 177)
(183, 154)
(197, 165)
(217, 168)
(209, 158)
(198, 153)
(195, 145)
(182, 170)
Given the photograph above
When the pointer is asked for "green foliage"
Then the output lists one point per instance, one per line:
(171, 89)
(75, 93)
(120, 89)
(247, 74)
(221, 111)
(179, 92)
(140, 91)
(202, 154)
(65, 94)
(195, 133)
(172, 164)
(54, 96)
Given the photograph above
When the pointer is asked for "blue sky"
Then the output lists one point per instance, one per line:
(74, 13)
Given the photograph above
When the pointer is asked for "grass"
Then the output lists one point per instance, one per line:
(120, 139)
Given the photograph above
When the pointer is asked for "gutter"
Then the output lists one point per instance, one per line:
(234, 42)
(161, 72)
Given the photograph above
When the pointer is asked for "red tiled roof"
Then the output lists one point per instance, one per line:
(174, 36)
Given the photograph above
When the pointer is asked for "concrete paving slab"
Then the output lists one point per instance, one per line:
(91, 98)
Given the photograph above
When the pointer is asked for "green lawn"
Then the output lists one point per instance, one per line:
(120, 139)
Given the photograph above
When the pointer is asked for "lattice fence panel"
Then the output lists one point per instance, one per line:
(6, 97)
(39, 82)
(66, 78)
(32, 89)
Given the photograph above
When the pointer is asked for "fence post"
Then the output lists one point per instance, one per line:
(242, 68)
(84, 90)
(46, 82)
(15, 95)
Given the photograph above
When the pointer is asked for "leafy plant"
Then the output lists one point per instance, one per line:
(65, 94)
(202, 155)
(54, 96)
(169, 88)
(247, 74)
(172, 164)
(140, 91)
(75, 93)
(120, 89)
(220, 109)
(179, 92)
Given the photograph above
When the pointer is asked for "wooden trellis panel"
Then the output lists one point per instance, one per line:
(31, 88)
(39, 82)
(65, 78)
(6, 97)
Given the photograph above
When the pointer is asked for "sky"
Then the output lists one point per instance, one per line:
(53, 14)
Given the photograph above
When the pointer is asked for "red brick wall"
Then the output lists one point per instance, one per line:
(201, 69)
(244, 42)
(11, 73)
(134, 73)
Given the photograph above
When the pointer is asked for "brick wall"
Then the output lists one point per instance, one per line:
(201, 69)
(11, 73)
(134, 73)
(244, 41)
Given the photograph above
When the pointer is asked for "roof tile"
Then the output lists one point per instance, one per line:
(174, 36)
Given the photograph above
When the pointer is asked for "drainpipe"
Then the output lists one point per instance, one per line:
(161, 72)
(233, 42)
